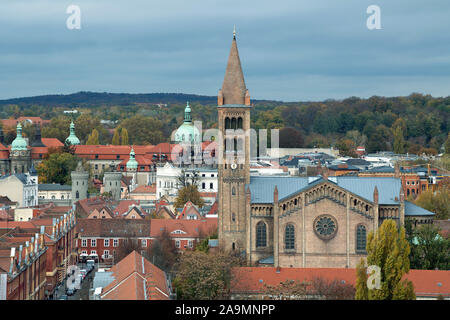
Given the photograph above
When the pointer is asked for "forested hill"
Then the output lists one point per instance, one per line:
(103, 98)
(416, 123)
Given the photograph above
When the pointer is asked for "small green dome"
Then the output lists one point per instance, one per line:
(72, 138)
(187, 132)
(132, 163)
(19, 142)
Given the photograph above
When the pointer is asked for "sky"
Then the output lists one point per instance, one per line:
(290, 50)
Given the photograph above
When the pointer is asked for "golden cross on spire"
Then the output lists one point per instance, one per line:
(234, 32)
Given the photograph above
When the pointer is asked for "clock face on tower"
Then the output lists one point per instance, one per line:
(233, 166)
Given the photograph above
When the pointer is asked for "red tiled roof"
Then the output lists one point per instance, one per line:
(135, 278)
(123, 206)
(193, 228)
(214, 208)
(52, 142)
(145, 189)
(252, 279)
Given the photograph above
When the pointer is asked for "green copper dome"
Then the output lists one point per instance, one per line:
(132, 163)
(187, 132)
(19, 142)
(72, 138)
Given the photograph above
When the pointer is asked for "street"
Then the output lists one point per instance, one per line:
(80, 294)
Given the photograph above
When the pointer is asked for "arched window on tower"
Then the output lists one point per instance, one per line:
(240, 123)
(233, 123)
(77, 195)
(227, 123)
(261, 235)
(289, 237)
(233, 191)
(361, 238)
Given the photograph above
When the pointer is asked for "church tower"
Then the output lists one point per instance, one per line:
(234, 154)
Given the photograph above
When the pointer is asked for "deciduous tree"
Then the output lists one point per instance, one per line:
(189, 193)
(389, 250)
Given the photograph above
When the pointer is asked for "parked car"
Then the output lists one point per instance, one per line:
(63, 297)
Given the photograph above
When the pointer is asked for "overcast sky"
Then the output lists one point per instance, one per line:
(290, 50)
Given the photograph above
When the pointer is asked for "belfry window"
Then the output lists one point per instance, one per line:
(361, 238)
(261, 235)
(289, 237)
(239, 123)
(233, 191)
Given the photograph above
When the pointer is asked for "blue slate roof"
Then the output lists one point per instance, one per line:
(412, 210)
(54, 187)
(262, 187)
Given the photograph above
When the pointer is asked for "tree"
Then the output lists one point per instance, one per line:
(437, 201)
(124, 134)
(184, 180)
(59, 128)
(189, 193)
(346, 148)
(429, 250)
(447, 144)
(290, 138)
(399, 141)
(93, 138)
(389, 250)
(116, 138)
(126, 246)
(85, 124)
(143, 130)
(287, 290)
(204, 276)
(331, 289)
(57, 167)
(162, 252)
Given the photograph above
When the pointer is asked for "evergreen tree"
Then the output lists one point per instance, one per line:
(124, 134)
(93, 138)
(399, 141)
(116, 137)
(389, 250)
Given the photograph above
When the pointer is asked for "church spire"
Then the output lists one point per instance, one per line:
(233, 87)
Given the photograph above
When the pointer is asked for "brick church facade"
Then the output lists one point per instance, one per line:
(285, 221)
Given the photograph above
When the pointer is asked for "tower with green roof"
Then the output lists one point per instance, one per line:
(72, 139)
(187, 132)
(20, 154)
(132, 164)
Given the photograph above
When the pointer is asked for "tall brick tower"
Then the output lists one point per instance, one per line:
(233, 105)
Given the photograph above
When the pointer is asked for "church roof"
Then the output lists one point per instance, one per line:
(412, 210)
(233, 87)
(262, 188)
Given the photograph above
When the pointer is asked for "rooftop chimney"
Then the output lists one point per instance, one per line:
(20, 256)
(27, 244)
(36, 243)
(42, 237)
(31, 247)
(13, 256)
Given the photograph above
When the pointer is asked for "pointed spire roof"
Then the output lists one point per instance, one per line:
(37, 137)
(233, 87)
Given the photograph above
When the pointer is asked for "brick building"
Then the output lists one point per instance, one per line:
(58, 233)
(102, 238)
(23, 260)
